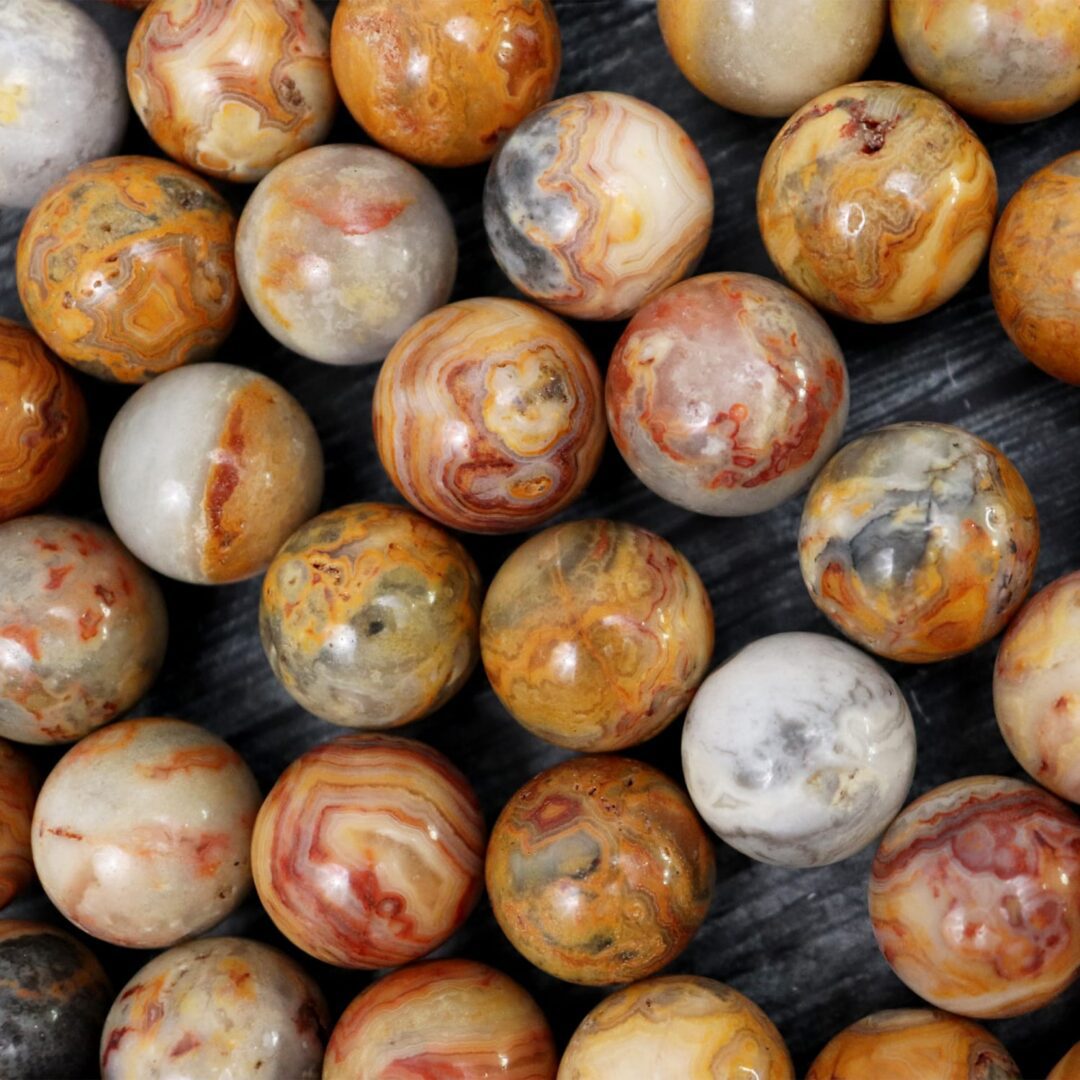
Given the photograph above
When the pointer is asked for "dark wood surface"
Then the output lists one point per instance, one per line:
(798, 942)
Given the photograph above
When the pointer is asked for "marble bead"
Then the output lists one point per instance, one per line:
(141, 833)
(975, 896)
(206, 471)
(595, 634)
(369, 616)
(220, 1008)
(62, 100)
(233, 89)
(726, 394)
(1035, 268)
(998, 60)
(914, 1044)
(596, 203)
(369, 850)
(1037, 687)
(488, 415)
(877, 202)
(1068, 1068)
(677, 1027)
(442, 84)
(83, 629)
(919, 541)
(341, 249)
(443, 1018)
(799, 750)
(125, 268)
(599, 871)
(43, 421)
(19, 785)
(53, 999)
(765, 58)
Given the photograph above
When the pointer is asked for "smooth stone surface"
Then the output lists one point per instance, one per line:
(220, 1008)
(596, 203)
(766, 58)
(1035, 268)
(488, 415)
(1068, 1068)
(877, 202)
(53, 999)
(955, 365)
(975, 896)
(341, 249)
(999, 60)
(919, 541)
(799, 750)
(233, 89)
(677, 1027)
(62, 99)
(599, 871)
(125, 268)
(43, 421)
(369, 616)
(83, 629)
(368, 851)
(914, 1044)
(443, 84)
(726, 394)
(141, 833)
(1037, 687)
(19, 784)
(207, 470)
(456, 1017)
(595, 634)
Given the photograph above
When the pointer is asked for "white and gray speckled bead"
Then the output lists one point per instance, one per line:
(799, 750)
(62, 96)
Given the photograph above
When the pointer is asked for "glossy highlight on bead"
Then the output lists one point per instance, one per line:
(919, 541)
(126, 269)
(599, 871)
(368, 852)
(975, 896)
(488, 415)
(595, 634)
(232, 89)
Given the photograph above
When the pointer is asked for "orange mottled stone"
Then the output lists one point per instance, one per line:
(1068, 1068)
(456, 1017)
(595, 634)
(232, 89)
(919, 541)
(876, 201)
(125, 268)
(599, 871)
(42, 421)
(442, 81)
(1035, 269)
(369, 615)
(18, 789)
(677, 1027)
(914, 1044)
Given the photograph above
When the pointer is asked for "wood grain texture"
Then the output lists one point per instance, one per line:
(798, 942)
